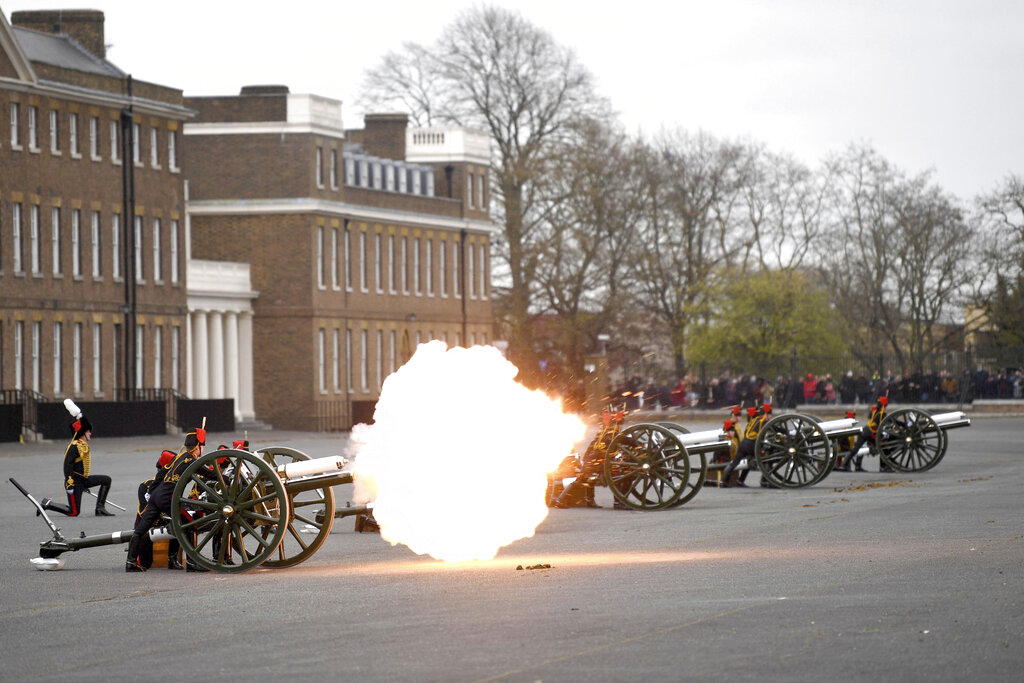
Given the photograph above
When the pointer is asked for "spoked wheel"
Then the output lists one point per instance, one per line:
(311, 514)
(698, 466)
(910, 441)
(229, 511)
(646, 467)
(792, 451)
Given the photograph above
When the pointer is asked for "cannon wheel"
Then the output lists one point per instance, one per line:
(792, 451)
(910, 441)
(698, 466)
(310, 511)
(239, 519)
(644, 468)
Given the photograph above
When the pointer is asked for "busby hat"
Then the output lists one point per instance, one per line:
(196, 438)
(79, 422)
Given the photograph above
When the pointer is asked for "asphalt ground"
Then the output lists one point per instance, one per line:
(865, 576)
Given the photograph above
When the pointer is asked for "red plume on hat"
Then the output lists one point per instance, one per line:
(883, 400)
(850, 413)
(727, 425)
(766, 407)
(751, 411)
(165, 458)
(736, 410)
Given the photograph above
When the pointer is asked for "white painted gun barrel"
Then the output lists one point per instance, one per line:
(306, 468)
(837, 429)
(704, 442)
(951, 420)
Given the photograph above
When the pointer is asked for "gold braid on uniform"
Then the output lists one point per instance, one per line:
(84, 457)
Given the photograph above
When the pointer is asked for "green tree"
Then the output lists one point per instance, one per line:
(763, 317)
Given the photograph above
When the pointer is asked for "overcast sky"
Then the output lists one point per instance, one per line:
(929, 83)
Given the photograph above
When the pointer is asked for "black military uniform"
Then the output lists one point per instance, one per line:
(161, 493)
(755, 420)
(145, 544)
(78, 477)
(868, 435)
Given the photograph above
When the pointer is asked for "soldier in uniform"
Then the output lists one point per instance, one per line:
(844, 448)
(755, 420)
(145, 544)
(78, 477)
(868, 435)
(160, 496)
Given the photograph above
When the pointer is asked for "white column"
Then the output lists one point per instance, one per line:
(245, 369)
(200, 356)
(231, 358)
(216, 355)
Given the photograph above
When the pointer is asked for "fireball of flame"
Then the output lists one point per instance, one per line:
(456, 460)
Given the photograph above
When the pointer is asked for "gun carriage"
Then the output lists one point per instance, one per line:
(235, 510)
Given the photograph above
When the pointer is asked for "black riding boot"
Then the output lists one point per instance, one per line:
(101, 502)
(132, 563)
(858, 463)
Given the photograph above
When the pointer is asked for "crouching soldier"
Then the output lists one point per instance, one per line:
(161, 493)
(145, 544)
(869, 435)
(78, 476)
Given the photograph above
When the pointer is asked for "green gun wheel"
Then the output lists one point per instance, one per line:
(698, 466)
(311, 514)
(646, 467)
(793, 451)
(239, 517)
(909, 440)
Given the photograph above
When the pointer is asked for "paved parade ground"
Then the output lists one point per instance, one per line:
(865, 576)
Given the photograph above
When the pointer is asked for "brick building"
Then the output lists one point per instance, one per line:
(359, 243)
(64, 257)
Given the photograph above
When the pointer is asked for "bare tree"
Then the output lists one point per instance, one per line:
(689, 238)
(405, 81)
(894, 257)
(493, 70)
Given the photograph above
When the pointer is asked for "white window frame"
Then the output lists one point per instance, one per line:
(33, 129)
(333, 169)
(97, 246)
(154, 147)
(469, 190)
(139, 264)
(391, 264)
(405, 264)
(55, 238)
(73, 136)
(55, 132)
(380, 359)
(115, 152)
(470, 270)
(362, 262)
(175, 277)
(378, 261)
(140, 356)
(97, 358)
(320, 167)
(58, 348)
(76, 242)
(158, 273)
(94, 138)
(33, 236)
(429, 266)
(334, 259)
(364, 365)
(115, 245)
(348, 360)
(158, 355)
(137, 150)
(321, 367)
(442, 268)
(172, 150)
(15, 127)
(320, 257)
(417, 272)
(19, 354)
(336, 369)
(456, 287)
(16, 236)
(480, 190)
(347, 257)
(391, 352)
(481, 269)
(175, 356)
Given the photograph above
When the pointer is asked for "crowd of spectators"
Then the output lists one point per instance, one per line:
(819, 389)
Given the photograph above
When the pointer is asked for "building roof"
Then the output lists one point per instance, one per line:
(62, 51)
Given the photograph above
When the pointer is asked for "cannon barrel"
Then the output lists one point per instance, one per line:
(305, 468)
(54, 547)
(838, 429)
(951, 420)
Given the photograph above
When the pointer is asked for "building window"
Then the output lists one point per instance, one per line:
(174, 252)
(334, 169)
(97, 358)
(172, 150)
(334, 258)
(380, 359)
(154, 147)
(139, 265)
(482, 270)
(480, 191)
(114, 135)
(350, 171)
(348, 360)
(364, 365)
(320, 256)
(456, 264)
(157, 269)
(76, 358)
(417, 273)
(430, 267)
(320, 167)
(391, 352)
(94, 138)
(96, 247)
(391, 263)
(405, 264)
(54, 131)
(158, 356)
(16, 236)
(115, 245)
(73, 135)
(115, 354)
(37, 333)
(336, 370)
(76, 242)
(57, 388)
(19, 354)
(469, 190)
(321, 369)
(175, 357)
(33, 238)
(55, 234)
(442, 265)
(15, 128)
(33, 129)
(347, 257)
(137, 149)
(140, 345)
(378, 262)
(362, 261)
